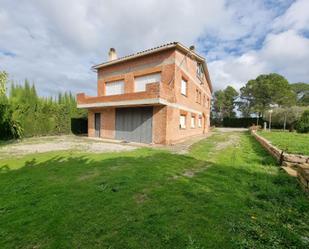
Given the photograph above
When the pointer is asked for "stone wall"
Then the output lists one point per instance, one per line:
(303, 176)
(300, 163)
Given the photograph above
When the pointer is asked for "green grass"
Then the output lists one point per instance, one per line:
(290, 142)
(233, 198)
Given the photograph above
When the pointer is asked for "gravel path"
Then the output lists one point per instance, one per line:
(60, 143)
(226, 129)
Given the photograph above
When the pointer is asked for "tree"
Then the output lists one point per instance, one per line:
(266, 91)
(3, 80)
(303, 123)
(224, 103)
(9, 128)
(286, 116)
(302, 92)
(230, 96)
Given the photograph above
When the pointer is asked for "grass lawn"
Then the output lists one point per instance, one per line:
(290, 142)
(226, 193)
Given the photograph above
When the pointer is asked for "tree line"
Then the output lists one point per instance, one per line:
(287, 102)
(23, 113)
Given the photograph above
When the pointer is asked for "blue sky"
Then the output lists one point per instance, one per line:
(54, 43)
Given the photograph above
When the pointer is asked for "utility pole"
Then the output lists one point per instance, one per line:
(284, 124)
(270, 112)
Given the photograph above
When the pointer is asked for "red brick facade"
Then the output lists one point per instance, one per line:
(173, 64)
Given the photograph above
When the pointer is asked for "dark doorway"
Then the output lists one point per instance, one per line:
(134, 124)
(97, 124)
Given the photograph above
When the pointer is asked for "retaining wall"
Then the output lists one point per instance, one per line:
(300, 163)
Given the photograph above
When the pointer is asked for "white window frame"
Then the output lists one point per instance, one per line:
(192, 121)
(140, 82)
(199, 70)
(114, 88)
(182, 121)
(184, 87)
(200, 121)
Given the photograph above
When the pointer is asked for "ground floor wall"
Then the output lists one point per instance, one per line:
(165, 124)
(175, 133)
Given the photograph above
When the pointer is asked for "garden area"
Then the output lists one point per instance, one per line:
(290, 142)
(227, 192)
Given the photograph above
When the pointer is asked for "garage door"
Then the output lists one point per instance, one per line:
(134, 124)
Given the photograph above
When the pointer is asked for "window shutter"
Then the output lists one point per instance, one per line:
(192, 122)
(183, 87)
(115, 87)
(182, 121)
(200, 121)
(142, 81)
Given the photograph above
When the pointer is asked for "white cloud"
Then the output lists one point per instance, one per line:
(236, 70)
(284, 50)
(54, 43)
(296, 17)
(288, 54)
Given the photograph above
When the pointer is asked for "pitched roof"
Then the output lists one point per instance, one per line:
(166, 46)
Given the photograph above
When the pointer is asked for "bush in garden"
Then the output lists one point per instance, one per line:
(303, 123)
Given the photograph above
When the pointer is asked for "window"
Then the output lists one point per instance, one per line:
(184, 84)
(182, 121)
(142, 81)
(200, 121)
(198, 96)
(192, 121)
(115, 87)
(204, 100)
(199, 70)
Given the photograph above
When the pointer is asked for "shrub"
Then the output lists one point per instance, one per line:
(240, 122)
(302, 125)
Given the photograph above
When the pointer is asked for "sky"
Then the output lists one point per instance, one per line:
(54, 43)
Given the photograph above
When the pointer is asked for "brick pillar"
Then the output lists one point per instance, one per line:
(129, 83)
(91, 131)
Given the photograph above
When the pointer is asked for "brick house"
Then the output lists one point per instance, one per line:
(160, 95)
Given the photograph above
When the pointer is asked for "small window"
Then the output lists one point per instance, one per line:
(199, 70)
(184, 84)
(198, 96)
(192, 121)
(204, 100)
(142, 81)
(182, 121)
(114, 88)
(200, 121)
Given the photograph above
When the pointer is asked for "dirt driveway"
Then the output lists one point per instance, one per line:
(92, 145)
(59, 143)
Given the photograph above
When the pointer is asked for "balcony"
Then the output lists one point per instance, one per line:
(149, 97)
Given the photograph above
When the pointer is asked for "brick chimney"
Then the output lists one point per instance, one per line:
(112, 55)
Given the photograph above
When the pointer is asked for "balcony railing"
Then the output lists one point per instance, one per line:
(152, 92)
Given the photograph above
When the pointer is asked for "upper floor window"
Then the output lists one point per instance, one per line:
(115, 87)
(184, 86)
(142, 81)
(199, 70)
(198, 98)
